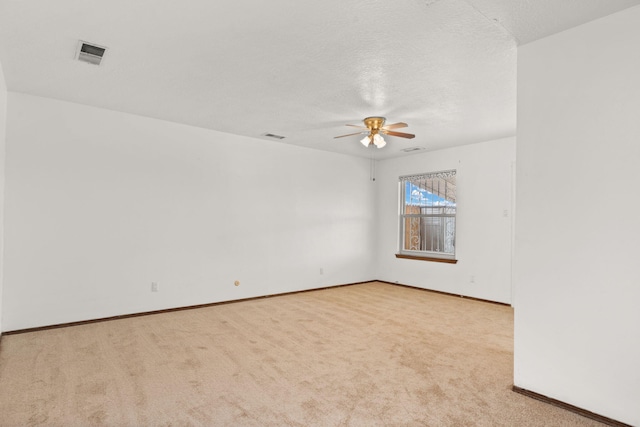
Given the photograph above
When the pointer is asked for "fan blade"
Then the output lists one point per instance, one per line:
(400, 134)
(357, 126)
(395, 126)
(351, 134)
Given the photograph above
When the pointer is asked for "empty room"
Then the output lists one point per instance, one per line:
(338, 213)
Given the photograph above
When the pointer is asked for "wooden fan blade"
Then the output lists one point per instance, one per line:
(395, 126)
(400, 134)
(351, 134)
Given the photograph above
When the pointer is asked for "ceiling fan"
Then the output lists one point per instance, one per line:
(374, 126)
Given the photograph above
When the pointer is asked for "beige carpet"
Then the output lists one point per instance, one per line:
(363, 355)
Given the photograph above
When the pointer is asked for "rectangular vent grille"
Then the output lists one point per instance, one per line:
(409, 150)
(271, 135)
(90, 53)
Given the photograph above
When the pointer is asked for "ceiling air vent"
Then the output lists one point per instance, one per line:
(411, 149)
(271, 135)
(91, 53)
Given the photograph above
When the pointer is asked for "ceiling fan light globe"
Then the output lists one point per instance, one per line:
(365, 141)
(379, 141)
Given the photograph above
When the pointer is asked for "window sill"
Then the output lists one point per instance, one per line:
(427, 258)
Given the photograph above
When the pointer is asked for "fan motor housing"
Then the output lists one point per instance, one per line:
(374, 123)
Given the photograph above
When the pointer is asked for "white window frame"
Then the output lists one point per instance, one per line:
(448, 210)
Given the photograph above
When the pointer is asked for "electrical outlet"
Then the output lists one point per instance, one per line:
(154, 287)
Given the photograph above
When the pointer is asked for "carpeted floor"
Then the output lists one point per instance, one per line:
(362, 355)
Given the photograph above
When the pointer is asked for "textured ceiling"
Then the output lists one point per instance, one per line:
(297, 69)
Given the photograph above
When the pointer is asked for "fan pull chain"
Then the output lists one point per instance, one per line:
(372, 169)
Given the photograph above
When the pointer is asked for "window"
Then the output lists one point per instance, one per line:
(428, 216)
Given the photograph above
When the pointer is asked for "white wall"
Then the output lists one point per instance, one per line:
(3, 121)
(99, 204)
(577, 319)
(483, 235)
